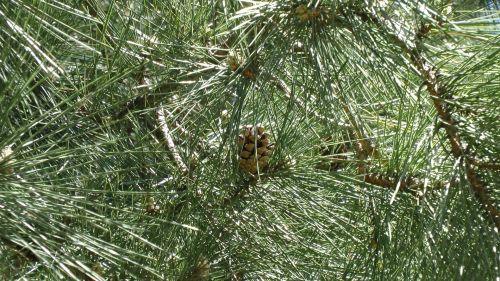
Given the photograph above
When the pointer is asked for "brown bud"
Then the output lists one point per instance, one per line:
(264, 159)
(314, 12)
(300, 10)
(249, 73)
(303, 17)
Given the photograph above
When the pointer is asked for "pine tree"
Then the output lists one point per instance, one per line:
(249, 140)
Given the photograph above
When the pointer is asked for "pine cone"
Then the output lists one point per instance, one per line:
(305, 13)
(255, 149)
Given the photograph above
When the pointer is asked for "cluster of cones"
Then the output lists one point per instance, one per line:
(305, 13)
(255, 149)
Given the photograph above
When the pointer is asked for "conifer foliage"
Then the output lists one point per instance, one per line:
(249, 140)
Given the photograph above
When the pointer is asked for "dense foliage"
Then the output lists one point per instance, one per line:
(249, 140)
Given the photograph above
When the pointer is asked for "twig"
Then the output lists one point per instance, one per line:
(160, 114)
(407, 184)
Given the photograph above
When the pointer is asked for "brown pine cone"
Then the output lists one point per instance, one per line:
(255, 149)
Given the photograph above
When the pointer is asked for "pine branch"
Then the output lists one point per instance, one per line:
(364, 149)
(407, 184)
(437, 92)
(92, 175)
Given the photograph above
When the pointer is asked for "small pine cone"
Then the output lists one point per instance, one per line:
(248, 73)
(304, 13)
(256, 149)
(301, 10)
(314, 13)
